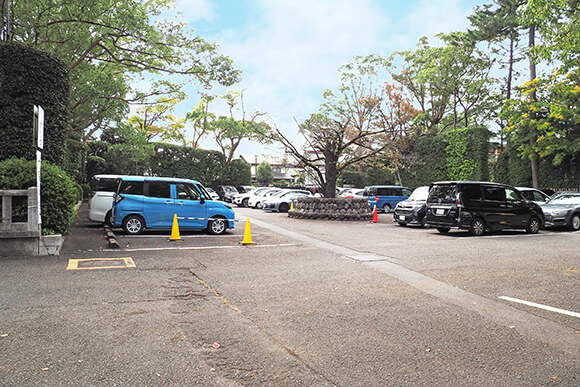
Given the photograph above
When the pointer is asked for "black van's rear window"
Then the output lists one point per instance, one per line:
(443, 193)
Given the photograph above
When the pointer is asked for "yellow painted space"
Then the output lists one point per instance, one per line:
(100, 263)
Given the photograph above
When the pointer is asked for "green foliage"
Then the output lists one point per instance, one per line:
(551, 121)
(59, 194)
(240, 173)
(467, 152)
(113, 47)
(352, 177)
(558, 23)
(205, 166)
(264, 174)
(424, 161)
(512, 169)
(31, 77)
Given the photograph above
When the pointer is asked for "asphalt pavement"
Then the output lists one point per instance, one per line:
(311, 303)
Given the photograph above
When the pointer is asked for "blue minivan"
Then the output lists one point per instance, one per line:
(152, 202)
(386, 197)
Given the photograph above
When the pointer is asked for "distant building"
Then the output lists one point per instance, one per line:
(282, 167)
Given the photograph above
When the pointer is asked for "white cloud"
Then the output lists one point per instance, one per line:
(290, 51)
(195, 10)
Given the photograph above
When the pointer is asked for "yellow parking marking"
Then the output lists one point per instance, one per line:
(100, 263)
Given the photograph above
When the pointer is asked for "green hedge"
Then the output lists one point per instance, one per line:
(32, 77)
(205, 166)
(58, 193)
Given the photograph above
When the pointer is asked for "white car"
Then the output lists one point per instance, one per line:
(103, 189)
(214, 195)
(255, 200)
(241, 200)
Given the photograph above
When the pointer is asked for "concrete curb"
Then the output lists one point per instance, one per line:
(113, 244)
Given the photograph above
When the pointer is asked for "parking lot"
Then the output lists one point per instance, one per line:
(311, 303)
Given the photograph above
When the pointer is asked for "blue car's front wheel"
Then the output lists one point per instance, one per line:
(217, 226)
(133, 224)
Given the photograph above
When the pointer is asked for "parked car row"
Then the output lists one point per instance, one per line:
(270, 198)
(136, 203)
(484, 206)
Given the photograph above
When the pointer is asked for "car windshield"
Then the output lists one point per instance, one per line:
(566, 198)
(420, 194)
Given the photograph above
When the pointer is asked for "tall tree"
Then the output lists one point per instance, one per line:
(364, 118)
(229, 131)
(200, 117)
(450, 84)
(558, 23)
(111, 47)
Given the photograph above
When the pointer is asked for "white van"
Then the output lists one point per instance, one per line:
(103, 189)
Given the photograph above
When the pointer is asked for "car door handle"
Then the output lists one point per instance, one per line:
(169, 202)
(180, 203)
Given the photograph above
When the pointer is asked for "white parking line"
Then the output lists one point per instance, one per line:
(540, 306)
(182, 236)
(202, 247)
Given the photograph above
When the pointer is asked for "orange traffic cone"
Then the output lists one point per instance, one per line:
(247, 234)
(375, 216)
(175, 230)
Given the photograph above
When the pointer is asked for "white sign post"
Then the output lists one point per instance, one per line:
(38, 139)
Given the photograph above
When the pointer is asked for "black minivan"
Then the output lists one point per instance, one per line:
(480, 206)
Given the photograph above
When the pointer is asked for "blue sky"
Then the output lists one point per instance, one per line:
(290, 50)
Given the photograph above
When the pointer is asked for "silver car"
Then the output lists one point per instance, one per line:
(563, 210)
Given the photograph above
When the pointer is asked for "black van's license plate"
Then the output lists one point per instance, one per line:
(439, 211)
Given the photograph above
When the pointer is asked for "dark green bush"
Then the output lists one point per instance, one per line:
(58, 193)
(205, 166)
(32, 77)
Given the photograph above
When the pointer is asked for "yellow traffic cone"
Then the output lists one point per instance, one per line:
(247, 234)
(175, 230)
(291, 205)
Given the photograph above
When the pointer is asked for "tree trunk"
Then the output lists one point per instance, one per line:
(330, 173)
(533, 137)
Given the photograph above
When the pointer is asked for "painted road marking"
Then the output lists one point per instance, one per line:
(183, 236)
(203, 247)
(540, 306)
(97, 263)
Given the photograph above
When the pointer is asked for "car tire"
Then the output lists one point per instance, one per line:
(108, 218)
(217, 226)
(387, 208)
(574, 222)
(245, 202)
(403, 224)
(477, 227)
(533, 226)
(443, 230)
(133, 224)
(283, 207)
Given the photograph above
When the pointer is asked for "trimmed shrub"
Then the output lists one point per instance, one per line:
(58, 193)
(32, 77)
(205, 166)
